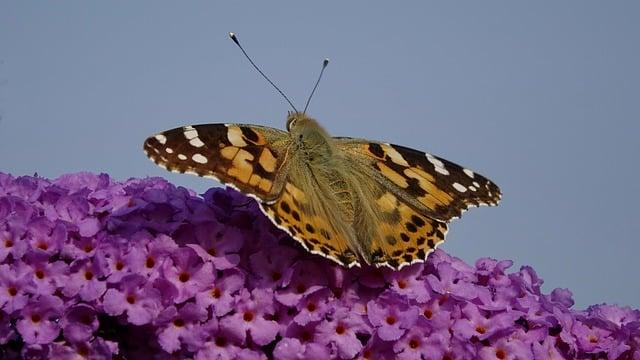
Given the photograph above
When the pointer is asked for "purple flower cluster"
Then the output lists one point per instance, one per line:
(95, 268)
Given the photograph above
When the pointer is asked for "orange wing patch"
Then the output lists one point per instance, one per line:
(246, 157)
(440, 188)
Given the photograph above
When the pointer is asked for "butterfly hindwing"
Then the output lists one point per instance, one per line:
(402, 236)
(247, 157)
(293, 213)
(437, 187)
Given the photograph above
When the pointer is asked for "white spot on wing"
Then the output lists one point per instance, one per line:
(459, 187)
(199, 159)
(434, 161)
(182, 157)
(234, 134)
(169, 150)
(437, 164)
(161, 139)
(190, 132)
(442, 170)
(469, 173)
(395, 156)
(196, 142)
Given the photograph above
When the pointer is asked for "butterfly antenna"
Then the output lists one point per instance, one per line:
(235, 40)
(324, 65)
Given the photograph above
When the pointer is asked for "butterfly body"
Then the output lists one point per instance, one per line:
(352, 200)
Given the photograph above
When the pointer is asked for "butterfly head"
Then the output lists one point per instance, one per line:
(300, 124)
(308, 132)
(296, 120)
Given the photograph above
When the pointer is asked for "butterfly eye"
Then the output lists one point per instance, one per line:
(290, 123)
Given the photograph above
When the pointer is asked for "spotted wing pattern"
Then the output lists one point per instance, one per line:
(292, 213)
(431, 185)
(247, 157)
(403, 236)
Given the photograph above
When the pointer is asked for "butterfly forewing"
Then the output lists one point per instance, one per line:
(434, 186)
(250, 158)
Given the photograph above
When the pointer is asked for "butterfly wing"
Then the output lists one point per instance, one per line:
(433, 186)
(248, 157)
(399, 234)
(306, 216)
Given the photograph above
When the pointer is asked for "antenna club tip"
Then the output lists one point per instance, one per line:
(233, 37)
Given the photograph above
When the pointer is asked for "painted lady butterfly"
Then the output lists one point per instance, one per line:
(350, 200)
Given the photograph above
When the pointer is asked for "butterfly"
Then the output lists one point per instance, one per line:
(351, 200)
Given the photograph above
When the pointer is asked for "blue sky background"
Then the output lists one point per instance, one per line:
(542, 97)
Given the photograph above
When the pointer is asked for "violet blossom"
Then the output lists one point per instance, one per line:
(91, 267)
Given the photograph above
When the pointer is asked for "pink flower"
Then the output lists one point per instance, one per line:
(218, 243)
(220, 296)
(86, 279)
(342, 331)
(178, 326)
(79, 323)
(504, 349)
(480, 325)
(409, 282)
(135, 297)
(188, 273)
(15, 286)
(250, 317)
(391, 316)
(39, 322)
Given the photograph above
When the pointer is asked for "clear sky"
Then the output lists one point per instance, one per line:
(542, 97)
